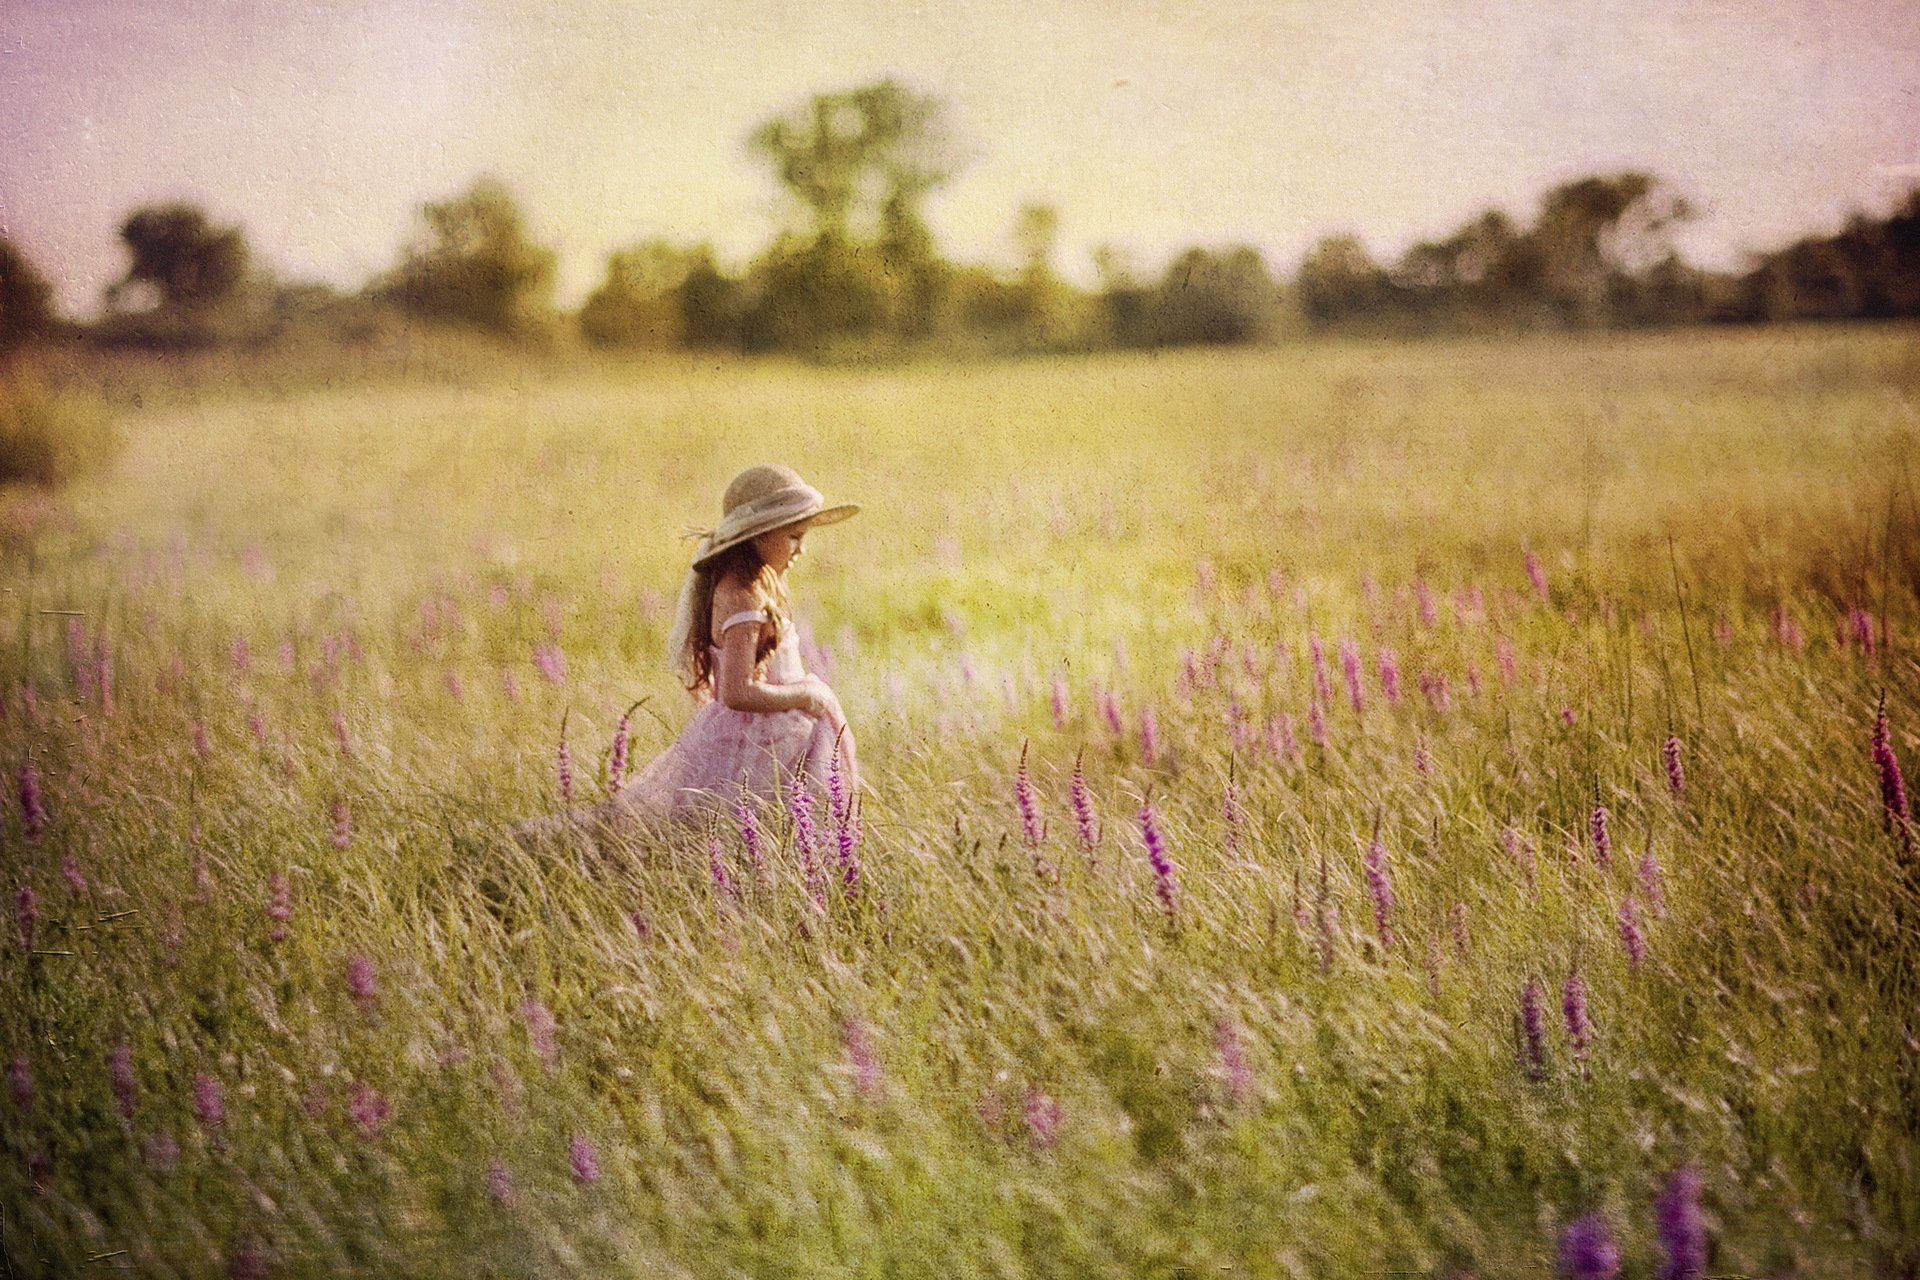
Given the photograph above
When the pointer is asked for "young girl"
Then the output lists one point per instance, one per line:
(762, 723)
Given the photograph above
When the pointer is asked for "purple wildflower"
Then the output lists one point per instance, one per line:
(1537, 575)
(1282, 744)
(551, 662)
(750, 834)
(839, 800)
(120, 1075)
(247, 1262)
(1896, 810)
(509, 685)
(1110, 708)
(1024, 800)
(1587, 1250)
(584, 1160)
(202, 745)
(1650, 884)
(33, 812)
(1573, 1007)
(1787, 628)
(1602, 838)
(1860, 623)
(20, 1083)
(1389, 666)
(1381, 888)
(1568, 716)
(541, 1028)
(1503, 658)
(806, 836)
(1533, 1026)
(342, 737)
(342, 823)
(1423, 600)
(1163, 878)
(1317, 723)
(1422, 759)
(70, 872)
(846, 837)
(160, 1150)
(563, 766)
(279, 906)
(1435, 686)
(1457, 926)
(1043, 1116)
(499, 1183)
(369, 1110)
(642, 927)
(1149, 736)
(717, 867)
(1676, 771)
(208, 1101)
(1322, 682)
(1350, 672)
(1058, 704)
(1677, 1221)
(360, 980)
(1631, 937)
(859, 1041)
(1083, 809)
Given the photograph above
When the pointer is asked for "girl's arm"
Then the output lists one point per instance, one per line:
(734, 684)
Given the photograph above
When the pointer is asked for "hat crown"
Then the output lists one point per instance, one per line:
(756, 483)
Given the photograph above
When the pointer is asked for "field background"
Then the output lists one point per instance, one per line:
(312, 644)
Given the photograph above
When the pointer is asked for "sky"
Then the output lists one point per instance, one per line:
(321, 128)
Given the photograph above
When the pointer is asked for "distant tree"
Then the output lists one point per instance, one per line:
(475, 263)
(1339, 281)
(861, 163)
(1592, 232)
(639, 303)
(709, 304)
(1124, 301)
(26, 299)
(1214, 298)
(848, 156)
(181, 261)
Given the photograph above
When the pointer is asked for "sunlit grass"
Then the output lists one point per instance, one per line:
(317, 614)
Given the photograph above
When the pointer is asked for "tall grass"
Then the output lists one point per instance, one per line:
(283, 1001)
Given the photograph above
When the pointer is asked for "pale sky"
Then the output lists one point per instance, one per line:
(1150, 125)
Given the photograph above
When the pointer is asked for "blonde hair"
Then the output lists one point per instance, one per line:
(688, 654)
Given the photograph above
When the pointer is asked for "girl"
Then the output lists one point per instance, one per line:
(762, 723)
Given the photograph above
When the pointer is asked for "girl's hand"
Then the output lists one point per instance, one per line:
(820, 701)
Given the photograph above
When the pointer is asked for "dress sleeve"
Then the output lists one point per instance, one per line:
(745, 615)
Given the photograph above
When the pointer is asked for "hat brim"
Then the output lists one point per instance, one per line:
(826, 515)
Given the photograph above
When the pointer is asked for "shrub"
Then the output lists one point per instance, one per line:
(49, 438)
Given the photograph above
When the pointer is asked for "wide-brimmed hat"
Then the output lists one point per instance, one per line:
(760, 500)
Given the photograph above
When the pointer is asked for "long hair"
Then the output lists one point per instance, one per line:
(687, 652)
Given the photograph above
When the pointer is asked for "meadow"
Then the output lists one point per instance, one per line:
(1335, 810)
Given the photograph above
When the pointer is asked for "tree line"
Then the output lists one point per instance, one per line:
(858, 268)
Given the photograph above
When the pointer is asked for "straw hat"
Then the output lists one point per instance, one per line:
(760, 500)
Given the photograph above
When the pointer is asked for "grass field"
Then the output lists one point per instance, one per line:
(1504, 714)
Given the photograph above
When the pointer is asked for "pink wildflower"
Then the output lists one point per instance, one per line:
(583, 1160)
(1083, 809)
(369, 1110)
(1043, 1116)
(541, 1029)
(208, 1102)
(1163, 871)
(1537, 575)
(342, 823)
(1149, 736)
(70, 872)
(26, 915)
(1676, 771)
(361, 984)
(279, 906)
(1381, 888)
(33, 812)
(120, 1075)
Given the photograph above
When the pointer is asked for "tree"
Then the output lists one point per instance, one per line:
(639, 303)
(26, 299)
(1214, 298)
(475, 263)
(1591, 232)
(180, 258)
(850, 156)
(1339, 281)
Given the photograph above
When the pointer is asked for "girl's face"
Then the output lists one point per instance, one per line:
(781, 547)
